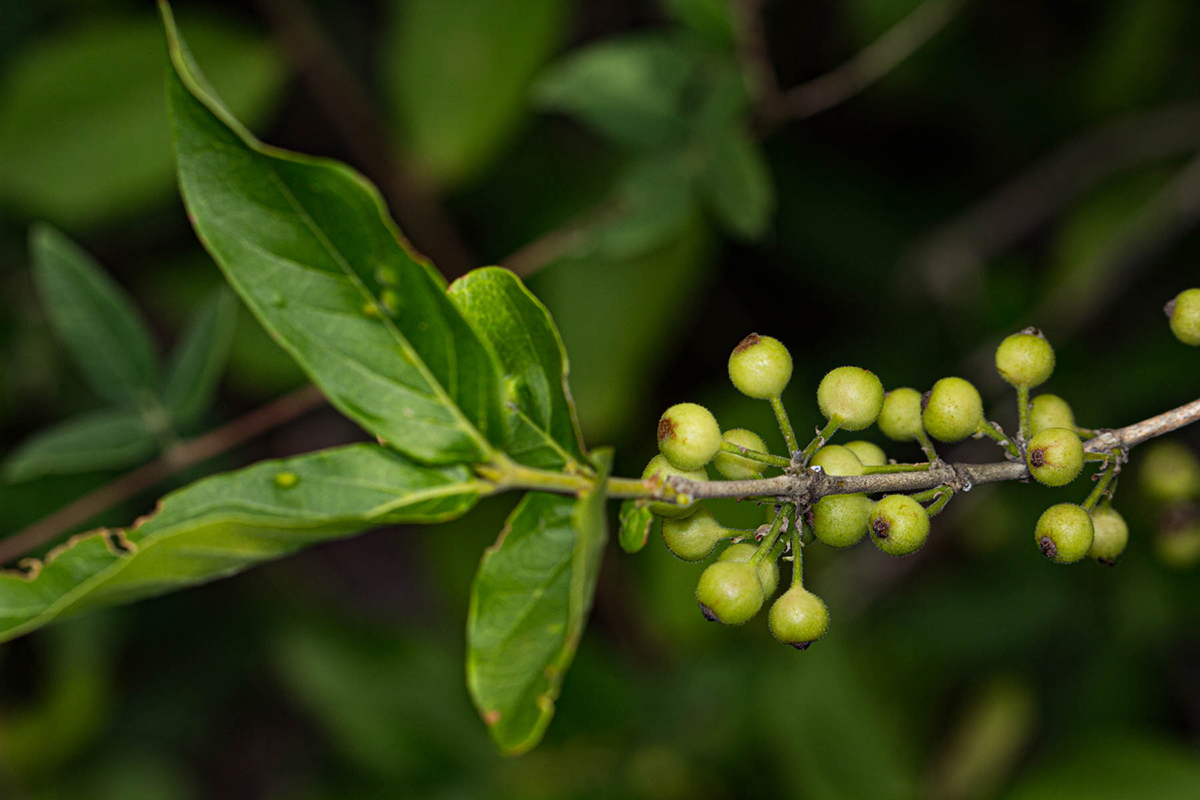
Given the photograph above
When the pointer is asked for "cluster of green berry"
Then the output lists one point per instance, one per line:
(746, 574)
(1170, 477)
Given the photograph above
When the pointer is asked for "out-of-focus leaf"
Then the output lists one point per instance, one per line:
(543, 429)
(652, 204)
(1134, 54)
(458, 72)
(199, 359)
(83, 123)
(100, 440)
(308, 245)
(632, 90)
(636, 520)
(529, 605)
(711, 20)
(1114, 768)
(227, 523)
(95, 318)
(736, 184)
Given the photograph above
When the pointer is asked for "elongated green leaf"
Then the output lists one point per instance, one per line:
(736, 183)
(108, 439)
(308, 245)
(529, 605)
(199, 359)
(543, 430)
(636, 520)
(96, 319)
(227, 523)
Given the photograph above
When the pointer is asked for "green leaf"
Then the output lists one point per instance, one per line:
(636, 520)
(529, 605)
(653, 203)
(224, 524)
(633, 90)
(95, 319)
(199, 359)
(711, 20)
(83, 119)
(458, 72)
(543, 429)
(736, 183)
(308, 245)
(108, 439)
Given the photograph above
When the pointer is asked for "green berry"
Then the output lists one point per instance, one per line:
(760, 367)
(729, 592)
(869, 453)
(1184, 312)
(738, 468)
(693, 537)
(1064, 533)
(688, 435)
(1050, 411)
(1025, 359)
(851, 395)
(664, 469)
(798, 618)
(1178, 545)
(1055, 457)
(953, 410)
(835, 459)
(900, 417)
(899, 525)
(768, 568)
(1170, 472)
(1110, 534)
(841, 520)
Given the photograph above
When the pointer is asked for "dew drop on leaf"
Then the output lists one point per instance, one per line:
(390, 300)
(286, 480)
(387, 276)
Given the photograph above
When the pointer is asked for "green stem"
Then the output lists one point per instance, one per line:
(889, 469)
(768, 541)
(785, 424)
(821, 438)
(1101, 487)
(754, 455)
(928, 494)
(797, 558)
(1023, 414)
(935, 508)
(927, 446)
(1097, 456)
(994, 432)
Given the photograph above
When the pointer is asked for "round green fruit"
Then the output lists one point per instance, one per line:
(841, 520)
(693, 537)
(1055, 457)
(688, 435)
(760, 367)
(1050, 411)
(1025, 359)
(1170, 472)
(1110, 534)
(1179, 546)
(798, 618)
(900, 417)
(1064, 533)
(729, 592)
(664, 469)
(739, 468)
(768, 568)
(835, 459)
(851, 395)
(869, 453)
(1184, 312)
(899, 525)
(953, 410)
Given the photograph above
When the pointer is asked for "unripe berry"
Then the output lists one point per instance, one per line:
(738, 468)
(1170, 472)
(1110, 534)
(1184, 312)
(900, 417)
(729, 592)
(835, 459)
(760, 367)
(1064, 533)
(899, 525)
(798, 618)
(693, 537)
(841, 520)
(1050, 411)
(953, 410)
(852, 395)
(1055, 457)
(869, 453)
(1178, 546)
(664, 469)
(1025, 359)
(768, 568)
(688, 435)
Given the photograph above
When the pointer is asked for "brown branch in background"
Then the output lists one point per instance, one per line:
(869, 65)
(750, 28)
(178, 458)
(347, 106)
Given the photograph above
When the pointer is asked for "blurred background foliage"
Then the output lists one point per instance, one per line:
(1033, 163)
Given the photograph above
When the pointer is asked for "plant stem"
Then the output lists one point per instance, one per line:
(797, 558)
(821, 438)
(993, 431)
(785, 425)
(768, 541)
(892, 469)
(754, 455)
(945, 495)
(927, 446)
(1023, 415)
(1101, 487)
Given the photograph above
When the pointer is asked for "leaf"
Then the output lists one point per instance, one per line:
(458, 72)
(226, 523)
(636, 520)
(83, 119)
(711, 20)
(94, 317)
(543, 429)
(632, 90)
(308, 245)
(199, 359)
(653, 203)
(736, 182)
(529, 604)
(108, 439)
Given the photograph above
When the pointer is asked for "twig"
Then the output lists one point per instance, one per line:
(751, 31)
(183, 455)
